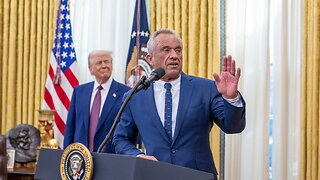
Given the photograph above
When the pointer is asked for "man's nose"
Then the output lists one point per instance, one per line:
(173, 54)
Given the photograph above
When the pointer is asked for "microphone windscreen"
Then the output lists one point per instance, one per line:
(159, 72)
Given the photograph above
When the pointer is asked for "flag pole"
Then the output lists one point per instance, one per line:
(57, 75)
(137, 70)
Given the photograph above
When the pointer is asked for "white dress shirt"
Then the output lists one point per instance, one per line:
(104, 92)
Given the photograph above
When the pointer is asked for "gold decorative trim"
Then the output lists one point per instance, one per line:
(76, 162)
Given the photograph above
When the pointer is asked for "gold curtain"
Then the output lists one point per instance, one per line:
(198, 23)
(310, 110)
(26, 38)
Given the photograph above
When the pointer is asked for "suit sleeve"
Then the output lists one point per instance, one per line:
(126, 135)
(70, 125)
(229, 118)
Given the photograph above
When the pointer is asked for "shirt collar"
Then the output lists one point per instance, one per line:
(104, 85)
(159, 85)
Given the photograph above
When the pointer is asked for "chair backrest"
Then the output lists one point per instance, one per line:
(3, 158)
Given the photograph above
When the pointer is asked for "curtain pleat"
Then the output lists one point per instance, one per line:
(198, 23)
(26, 57)
(185, 32)
(194, 34)
(32, 61)
(1, 50)
(4, 60)
(19, 58)
(26, 36)
(310, 109)
(12, 55)
(177, 16)
(44, 47)
(203, 41)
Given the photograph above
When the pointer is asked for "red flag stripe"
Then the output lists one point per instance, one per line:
(61, 93)
(51, 73)
(71, 78)
(48, 98)
(58, 121)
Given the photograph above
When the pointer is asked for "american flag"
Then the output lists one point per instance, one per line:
(62, 76)
(139, 37)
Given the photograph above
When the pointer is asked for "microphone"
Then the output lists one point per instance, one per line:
(154, 76)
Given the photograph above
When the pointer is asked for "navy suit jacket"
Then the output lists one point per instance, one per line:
(200, 106)
(77, 127)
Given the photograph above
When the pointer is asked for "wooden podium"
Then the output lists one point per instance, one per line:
(119, 167)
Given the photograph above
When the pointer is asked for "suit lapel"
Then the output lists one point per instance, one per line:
(186, 89)
(108, 104)
(87, 100)
(153, 113)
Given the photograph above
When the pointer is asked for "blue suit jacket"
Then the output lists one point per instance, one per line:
(77, 126)
(200, 106)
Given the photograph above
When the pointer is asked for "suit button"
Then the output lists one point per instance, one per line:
(173, 151)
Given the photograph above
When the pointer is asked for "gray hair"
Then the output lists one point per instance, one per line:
(151, 42)
(99, 53)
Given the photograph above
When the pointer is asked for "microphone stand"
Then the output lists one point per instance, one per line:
(109, 136)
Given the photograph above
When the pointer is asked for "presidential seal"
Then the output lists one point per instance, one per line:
(76, 163)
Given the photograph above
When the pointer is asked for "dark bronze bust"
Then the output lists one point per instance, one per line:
(24, 139)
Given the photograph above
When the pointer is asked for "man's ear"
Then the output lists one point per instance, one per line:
(90, 69)
(149, 59)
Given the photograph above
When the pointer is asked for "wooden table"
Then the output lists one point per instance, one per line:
(21, 173)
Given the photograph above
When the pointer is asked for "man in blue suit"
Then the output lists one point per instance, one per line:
(90, 120)
(174, 116)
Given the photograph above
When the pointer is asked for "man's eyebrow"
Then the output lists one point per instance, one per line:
(164, 47)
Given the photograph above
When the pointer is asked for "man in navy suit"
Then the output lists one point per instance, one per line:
(176, 128)
(79, 127)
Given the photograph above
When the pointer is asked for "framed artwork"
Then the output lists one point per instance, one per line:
(10, 155)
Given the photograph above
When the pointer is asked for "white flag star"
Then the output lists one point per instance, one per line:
(62, 7)
(59, 35)
(72, 55)
(66, 36)
(65, 45)
(133, 34)
(67, 26)
(57, 55)
(64, 55)
(63, 64)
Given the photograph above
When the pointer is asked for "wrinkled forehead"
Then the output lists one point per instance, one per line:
(168, 40)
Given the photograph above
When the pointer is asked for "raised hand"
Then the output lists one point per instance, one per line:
(227, 82)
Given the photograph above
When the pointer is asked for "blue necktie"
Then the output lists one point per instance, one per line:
(168, 110)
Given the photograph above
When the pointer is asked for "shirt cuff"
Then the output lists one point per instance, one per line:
(235, 101)
(138, 155)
